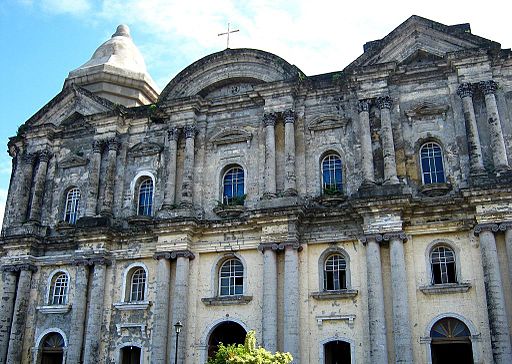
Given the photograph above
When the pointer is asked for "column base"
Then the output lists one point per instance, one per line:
(290, 192)
(391, 181)
(269, 195)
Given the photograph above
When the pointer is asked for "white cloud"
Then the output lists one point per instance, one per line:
(73, 7)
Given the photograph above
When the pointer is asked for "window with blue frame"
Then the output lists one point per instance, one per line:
(331, 174)
(71, 209)
(233, 186)
(432, 168)
(145, 201)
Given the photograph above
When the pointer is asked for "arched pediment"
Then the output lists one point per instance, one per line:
(326, 122)
(231, 66)
(231, 136)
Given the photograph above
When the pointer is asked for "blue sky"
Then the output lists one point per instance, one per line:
(42, 40)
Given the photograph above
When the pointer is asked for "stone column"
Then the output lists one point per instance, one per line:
(94, 179)
(19, 318)
(499, 153)
(180, 300)
(187, 185)
(110, 175)
(401, 328)
(291, 300)
(79, 307)
(27, 170)
(476, 162)
(11, 209)
(507, 228)
(269, 121)
(38, 190)
(6, 308)
(170, 182)
(366, 142)
(388, 145)
(269, 307)
(498, 322)
(95, 312)
(161, 310)
(290, 187)
(376, 314)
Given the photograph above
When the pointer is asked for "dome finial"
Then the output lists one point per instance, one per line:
(122, 31)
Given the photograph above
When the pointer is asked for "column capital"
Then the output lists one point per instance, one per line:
(13, 150)
(366, 238)
(395, 235)
(488, 87)
(292, 244)
(81, 261)
(363, 105)
(486, 227)
(172, 255)
(97, 146)
(269, 119)
(173, 134)
(100, 261)
(190, 131)
(384, 102)
(28, 158)
(112, 144)
(44, 155)
(465, 89)
(506, 225)
(269, 246)
(19, 267)
(289, 116)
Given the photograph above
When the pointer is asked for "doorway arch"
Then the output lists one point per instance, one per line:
(226, 332)
(451, 342)
(52, 348)
(337, 352)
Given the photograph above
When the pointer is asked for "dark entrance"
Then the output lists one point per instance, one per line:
(451, 342)
(52, 351)
(337, 352)
(130, 355)
(228, 332)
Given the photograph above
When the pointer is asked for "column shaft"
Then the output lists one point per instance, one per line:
(38, 190)
(93, 330)
(94, 180)
(187, 185)
(366, 142)
(27, 170)
(508, 244)
(180, 306)
(291, 302)
(269, 121)
(377, 321)
(6, 310)
(290, 186)
(388, 145)
(498, 322)
(15, 351)
(11, 209)
(161, 313)
(170, 182)
(76, 333)
(269, 314)
(401, 328)
(476, 162)
(108, 196)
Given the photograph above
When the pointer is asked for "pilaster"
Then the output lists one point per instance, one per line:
(39, 181)
(269, 307)
(6, 308)
(170, 182)
(188, 167)
(363, 107)
(269, 122)
(94, 179)
(108, 195)
(291, 300)
(290, 187)
(388, 145)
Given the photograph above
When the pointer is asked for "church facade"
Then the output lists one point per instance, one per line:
(359, 216)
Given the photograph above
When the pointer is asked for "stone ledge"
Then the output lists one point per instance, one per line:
(435, 189)
(331, 295)
(226, 211)
(132, 306)
(445, 288)
(51, 309)
(226, 300)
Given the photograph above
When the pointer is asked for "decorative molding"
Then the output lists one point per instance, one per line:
(486, 227)
(272, 246)
(507, 225)
(395, 235)
(327, 122)
(174, 255)
(97, 146)
(333, 295)
(73, 161)
(141, 327)
(86, 261)
(445, 288)
(226, 300)
(289, 116)
(269, 119)
(190, 131)
(465, 90)
(173, 134)
(366, 238)
(427, 111)
(363, 105)
(53, 309)
(349, 318)
(132, 306)
(488, 87)
(231, 136)
(384, 102)
(19, 267)
(144, 149)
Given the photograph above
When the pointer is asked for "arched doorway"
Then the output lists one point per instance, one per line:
(130, 355)
(227, 332)
(337, 352)
(52, 348)
(451, 342)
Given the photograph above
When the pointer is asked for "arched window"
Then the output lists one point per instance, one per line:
(442, 262)
(335, 273)
(331, 174)
(137, 285)
(451, 342)
(233, 186)
(72, 207)
(432, 169)
(231, 278)
(59, 289)
(145, 200)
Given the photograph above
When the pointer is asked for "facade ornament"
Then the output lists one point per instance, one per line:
(100, 261)
(507, 225)
(486, 227)
(112, 144)
(289, 116)
(44, 155)
(465, 89)
(173, 134)
(366, 238)
(363, 105)
(395, 235)
(174, 255)
(13, 150)
(488, 87)
(384, 102)
(28, 158)
(269, 119)
(190, 131)
(97, 146)
(19, 267)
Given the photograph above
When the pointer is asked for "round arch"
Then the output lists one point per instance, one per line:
(203, 345)
(37, 350)
(321, 262)
(321, 347)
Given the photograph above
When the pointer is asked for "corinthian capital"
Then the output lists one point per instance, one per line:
(44, 155)
(465, 90)
(97, 146)
(289, 116)
(113, 144)
(488, 87)
(173, 134)
(269, 119)
(190, 131)
(384, 102)
(363, 105)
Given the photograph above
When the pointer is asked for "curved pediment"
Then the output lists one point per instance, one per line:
(326, 122)
(144, 148)
(231, 137)
(427, 110)
(243, 67)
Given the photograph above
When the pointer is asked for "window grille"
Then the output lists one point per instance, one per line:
(138, 285)
(442, 261)
(432, 164)
(59, 289)
(72, 208)
(145, 206)
(233, 186)
(231, 280)
(335, 273)
(331, 174)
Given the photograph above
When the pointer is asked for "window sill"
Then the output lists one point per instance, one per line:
(228, 210)
(51, 309)
(140, 219)
(227, 300)
(331, 200)
(435, 189)
(132, 306)
(445, 288)
(331, 295)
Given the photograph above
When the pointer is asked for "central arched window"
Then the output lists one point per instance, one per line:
(331, 174)
(233, 186)
(137, 285)
(59, 289)
(231, 278)
(442, 262)
(432, 169)
(145, 197)
(72, 206)
(335, 273)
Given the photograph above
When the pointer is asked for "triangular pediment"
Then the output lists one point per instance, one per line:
(420, 39)
(145, 148)
(71, 161)
(231, 136)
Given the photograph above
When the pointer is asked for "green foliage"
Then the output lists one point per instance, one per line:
(331, 190)
(302, 77)
(248, 354)
(337, 76)
(21, 130)
(233, 201)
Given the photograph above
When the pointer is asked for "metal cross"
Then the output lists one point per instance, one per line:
(227, 33)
